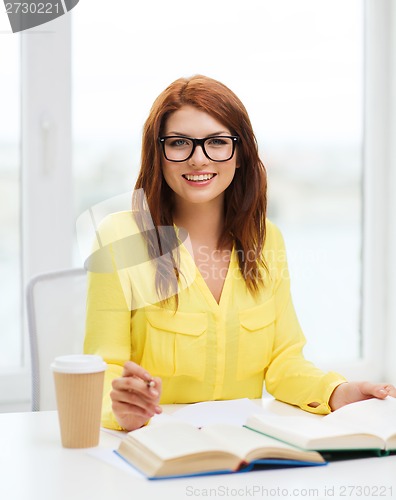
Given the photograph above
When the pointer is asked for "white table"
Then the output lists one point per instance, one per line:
(33, 465)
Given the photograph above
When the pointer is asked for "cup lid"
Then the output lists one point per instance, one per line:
(78, 363)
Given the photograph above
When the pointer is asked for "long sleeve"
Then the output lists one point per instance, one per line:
(290, 377)
(107, 334)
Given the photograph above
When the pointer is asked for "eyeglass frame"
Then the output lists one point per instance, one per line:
(199, 142)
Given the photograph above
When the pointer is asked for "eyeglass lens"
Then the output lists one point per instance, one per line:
(216, 148)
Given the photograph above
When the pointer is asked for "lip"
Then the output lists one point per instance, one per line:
(199, 183)
(200, 172)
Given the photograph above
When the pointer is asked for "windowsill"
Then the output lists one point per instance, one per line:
(15, 389)
(15, 407)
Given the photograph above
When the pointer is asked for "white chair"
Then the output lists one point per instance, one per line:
(56, 303)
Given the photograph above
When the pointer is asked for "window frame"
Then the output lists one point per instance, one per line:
(46, 173)
(378, 321)
(48, 236)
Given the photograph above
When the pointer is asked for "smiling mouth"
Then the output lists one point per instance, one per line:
(198, 178)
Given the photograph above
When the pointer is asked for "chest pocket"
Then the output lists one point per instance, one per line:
(175, 343)
(256, 338)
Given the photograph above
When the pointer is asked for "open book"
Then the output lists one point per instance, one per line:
(173, 449)
(365, 425)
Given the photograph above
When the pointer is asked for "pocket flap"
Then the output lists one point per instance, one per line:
(185, 323)
(259, 316)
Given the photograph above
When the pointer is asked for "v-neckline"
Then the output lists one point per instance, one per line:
(210, 298)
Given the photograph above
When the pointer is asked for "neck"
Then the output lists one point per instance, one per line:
(203, 222)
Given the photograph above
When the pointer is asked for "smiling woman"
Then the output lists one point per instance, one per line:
(225, 334)
(298, 69)
(206, 108)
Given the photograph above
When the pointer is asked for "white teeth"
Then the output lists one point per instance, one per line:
(202, 177)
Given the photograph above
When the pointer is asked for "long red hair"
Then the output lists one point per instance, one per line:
(245, 198)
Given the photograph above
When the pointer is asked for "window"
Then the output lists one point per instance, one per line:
(313, 144)
(298, 68)
(10, 204)
(43, 216)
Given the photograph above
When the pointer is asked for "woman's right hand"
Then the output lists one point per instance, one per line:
(133, 401)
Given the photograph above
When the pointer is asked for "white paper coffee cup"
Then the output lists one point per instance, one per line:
(79, 382)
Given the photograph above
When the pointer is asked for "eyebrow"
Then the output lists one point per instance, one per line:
(213, 134)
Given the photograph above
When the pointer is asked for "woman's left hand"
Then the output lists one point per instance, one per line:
(351, 392)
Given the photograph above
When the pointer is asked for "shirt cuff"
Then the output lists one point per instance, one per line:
(326, 388)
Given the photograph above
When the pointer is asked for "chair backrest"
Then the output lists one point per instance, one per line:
(56, 304)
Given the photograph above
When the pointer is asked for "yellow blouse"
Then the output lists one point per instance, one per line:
(206, 350)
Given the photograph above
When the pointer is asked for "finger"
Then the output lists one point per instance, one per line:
(121, 408)
(133, 400)
(133, 369)
(379, 391)
(157, 385)
(132, 390)
(150, 388)
(137, 386)
(391, 390)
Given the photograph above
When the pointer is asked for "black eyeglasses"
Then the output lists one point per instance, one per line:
(217, 148)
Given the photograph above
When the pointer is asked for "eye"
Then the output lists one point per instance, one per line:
(178, 142)
(218, 141)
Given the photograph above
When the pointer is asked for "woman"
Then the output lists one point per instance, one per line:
(210, 318)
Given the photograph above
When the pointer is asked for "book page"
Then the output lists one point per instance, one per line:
(242, 441)
(174, 439)
(312, 434)
(234, 411)
(375, 416)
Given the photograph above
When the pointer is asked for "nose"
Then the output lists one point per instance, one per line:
(198, 157)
